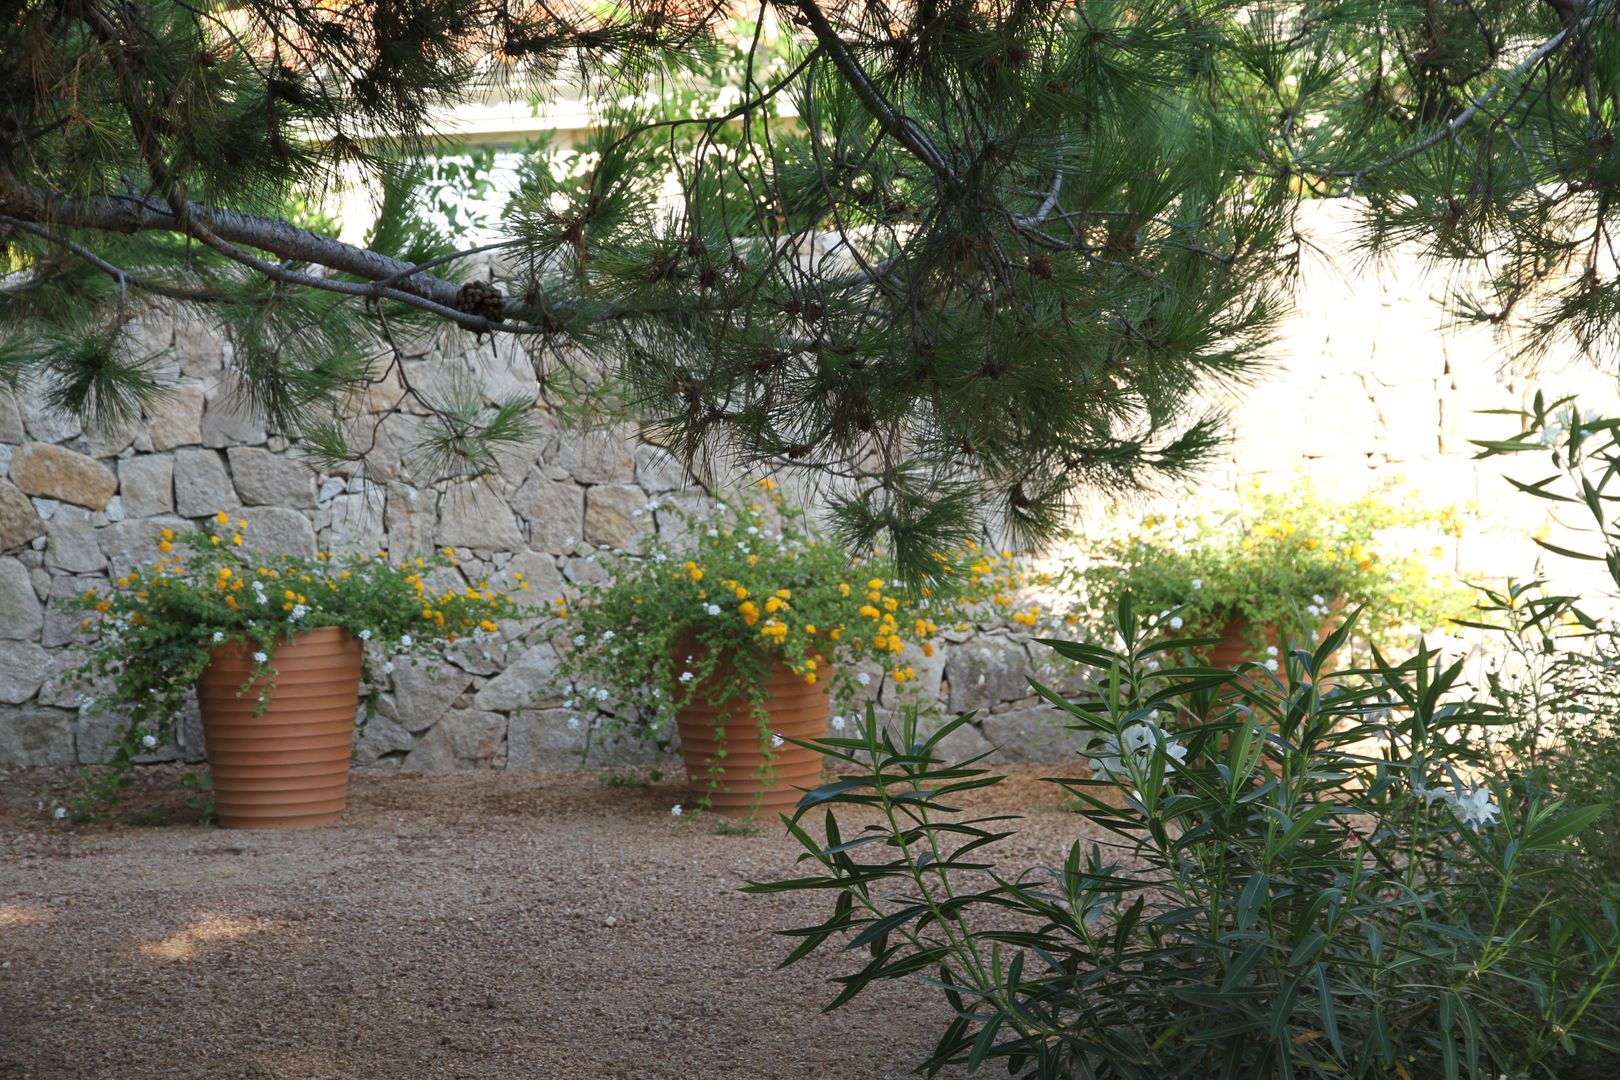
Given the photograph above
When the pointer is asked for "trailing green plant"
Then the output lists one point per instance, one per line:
(151, 635)
(1283, 562)
(1294, 874)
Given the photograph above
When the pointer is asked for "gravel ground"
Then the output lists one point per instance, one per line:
(489, 925)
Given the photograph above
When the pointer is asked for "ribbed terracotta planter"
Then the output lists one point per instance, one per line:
(1234, 648)
(797, 710)
(288, 767)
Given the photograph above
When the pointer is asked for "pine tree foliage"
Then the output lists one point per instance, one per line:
(959, 258)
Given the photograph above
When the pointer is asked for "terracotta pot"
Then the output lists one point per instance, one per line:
(1234, 647)
(797, 709)
(288, 767)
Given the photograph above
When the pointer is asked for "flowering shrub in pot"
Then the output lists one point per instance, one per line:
(1274, 571)
(275, 646)
(739, 632)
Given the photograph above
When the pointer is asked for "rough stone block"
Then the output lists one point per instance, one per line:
(473, 515)
(146, 484)
(410, 516)
(36, 736)
(1033, 734)
(175, 419)
(275, 530)
(227, 420)
(424, 692)
(541, 738)
(202, 487)
(983, 673)
(598, 457)
(378, 736)
(71, 542)
(21, 615)
(20, 523)
(62, 627)
(265, 479)
(555, 512)
(55, 472)
(23, 667)
(523, 683)
(611, 516)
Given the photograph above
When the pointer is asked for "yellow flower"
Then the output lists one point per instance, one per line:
(784, 594)
(241, 523)
(167, 534)
(843, 589)
(224, 571)
(773, 605)
(768, 484)
(487, 625)
(742, 593)
(695, 573)
(223, 518)
(213, 539)
(810, 628)
(875, 583)
(164, 546)
(753, 560)
(869, 611)
(928, 648)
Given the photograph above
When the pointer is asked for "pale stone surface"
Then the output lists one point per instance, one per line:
(229, 421)
(19, 521)
(410, 517)
(555, 512)
(275, 530)
(11, 423)
(378, 736)
(523, 683)
(21, 615)
(266, 479)
(1033, 734)
(130, 543)
(146, 484)
(424, 692)
(610, 516)
(71, 542)
(356, 523)
(201, 484)
(36, 736)
(62, 627)
(657, 471)
(984, 673)
(55, 472)
(113, 437)
(476, 737)
(175, 419)
(598, 457)
(536, 738)
(23, 666)
(45, 422)
(474, 516)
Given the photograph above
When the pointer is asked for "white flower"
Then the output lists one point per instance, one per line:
(654, 505)
(1271, 665)
(776, 740)
(1271, 650)
(59, 813)
(149, 741)
(299, 611)
(752, 531)
(1430, 794)
(219, 636)
(602, 694)
(573, 723)
(608, 635)
(686, 676)
(406, 641)
(635, 513)
(1130, 753)
(838, 723)
(1197, 583)
(713, 609)
(1175, 623)
(1475, 808)
(713, 533)
(365, 635)
(1312, 609)
(579, 640)
(388, 667)
(568, 703)
(864, 679)
(1317, 599)
(675, 811)
(259, 657)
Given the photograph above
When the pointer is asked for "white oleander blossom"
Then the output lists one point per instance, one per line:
(1271, 665)
(59, 813)
(608, 635)
(1130, 754)
(1197, 583)
(388, 667)
(1271, 650)
(1176, 622)
(675, 811)
(579, 640)
(1475, 808)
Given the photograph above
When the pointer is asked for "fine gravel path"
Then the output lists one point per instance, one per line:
(479, 925)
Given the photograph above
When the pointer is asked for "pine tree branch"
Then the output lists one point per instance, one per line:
(124, 278)
(1461, 120)
(904, 130)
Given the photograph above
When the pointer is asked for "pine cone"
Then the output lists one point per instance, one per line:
(481, 298)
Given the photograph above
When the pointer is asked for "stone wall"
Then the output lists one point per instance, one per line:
(1366, 389)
